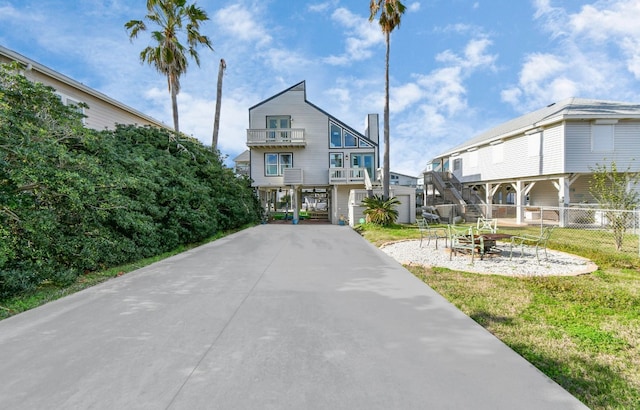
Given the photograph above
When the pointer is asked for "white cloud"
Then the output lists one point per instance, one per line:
(362, 36)
(596, 54)
(413, 7)
(321, 7)
(240, 23)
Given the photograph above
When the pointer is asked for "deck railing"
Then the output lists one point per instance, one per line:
(276, 137)
(346, 175)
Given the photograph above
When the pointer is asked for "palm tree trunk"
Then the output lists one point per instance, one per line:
(385, 168)
(216, 121)
(174, 107)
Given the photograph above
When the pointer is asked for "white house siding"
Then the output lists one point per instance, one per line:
(340, 202)
(519, 158)
(553, 148)
(544, 193)
(582, 159)
(313, 158)
(579, 190)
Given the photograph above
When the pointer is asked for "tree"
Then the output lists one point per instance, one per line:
(617, 193)
(390, 14)
(381, 211)
(169, 55)
(216, 121)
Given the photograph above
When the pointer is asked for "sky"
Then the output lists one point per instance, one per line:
(457, 67)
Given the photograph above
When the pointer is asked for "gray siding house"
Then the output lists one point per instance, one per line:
(308, 163)
(544, 158)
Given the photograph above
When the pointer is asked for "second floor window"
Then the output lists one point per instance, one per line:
(336, 136)
(280, 125)
(335, 160)
(275, 163)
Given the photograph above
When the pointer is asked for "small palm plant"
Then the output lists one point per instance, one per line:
(380, 211)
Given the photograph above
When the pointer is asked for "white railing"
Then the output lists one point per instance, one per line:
(280, 136)
(346, 175)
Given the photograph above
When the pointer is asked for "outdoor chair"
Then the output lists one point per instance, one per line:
(463, 240)
(427, 232)
(539, 242)
(487, 225)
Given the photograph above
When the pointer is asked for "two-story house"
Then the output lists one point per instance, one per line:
(544, 158)
(102, 112)
(304, 160)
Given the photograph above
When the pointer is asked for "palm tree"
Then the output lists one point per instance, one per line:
(216, 118)
(390, 13)
(169, 55)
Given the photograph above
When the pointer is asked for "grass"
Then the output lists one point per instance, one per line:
(582, 331)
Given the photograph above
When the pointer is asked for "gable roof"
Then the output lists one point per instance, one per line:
(568, 109)
(301, 86)
(34, 65)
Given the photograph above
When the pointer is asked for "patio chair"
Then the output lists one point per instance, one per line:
(463, 240)
(539, 242)
(487, 225)
(429, 233)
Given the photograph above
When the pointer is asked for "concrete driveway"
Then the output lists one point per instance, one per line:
(273, 317)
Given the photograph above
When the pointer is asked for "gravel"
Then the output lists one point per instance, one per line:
(556, 264)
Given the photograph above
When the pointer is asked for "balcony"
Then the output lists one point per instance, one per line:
(276, 138)
(344, 176)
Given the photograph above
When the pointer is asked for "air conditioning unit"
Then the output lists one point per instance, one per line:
(293, 176)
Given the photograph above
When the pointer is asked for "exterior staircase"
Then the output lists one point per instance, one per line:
(468, 203)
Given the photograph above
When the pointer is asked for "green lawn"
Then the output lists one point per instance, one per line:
(583, 331)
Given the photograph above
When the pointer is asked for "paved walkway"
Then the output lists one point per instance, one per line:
(273, 317)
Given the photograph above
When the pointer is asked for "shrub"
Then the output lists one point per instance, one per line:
(74, 200)
(380, 211)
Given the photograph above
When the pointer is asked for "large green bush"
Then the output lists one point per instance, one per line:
(74, 200)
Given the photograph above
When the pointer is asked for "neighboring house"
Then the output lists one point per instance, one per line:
(403, 180)
(304, 159)
(102, 113)
(242, 163)
(544, 158)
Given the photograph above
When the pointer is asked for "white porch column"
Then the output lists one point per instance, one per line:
(294, 204)
(520, 195)
(564, 198)
(488, 199)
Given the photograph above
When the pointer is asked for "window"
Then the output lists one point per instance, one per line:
(363, 161)
(280, 124)
(275, 163)
(457, 164)
(498, 153)
(364, 144)
(336, 136)
(602, 137)
(335, 160)
(350, 140)
(74, 104)
(533, 144)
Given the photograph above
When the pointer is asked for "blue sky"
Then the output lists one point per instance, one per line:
(458, 67)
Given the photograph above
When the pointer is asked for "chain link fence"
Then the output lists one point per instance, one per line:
(616, 229)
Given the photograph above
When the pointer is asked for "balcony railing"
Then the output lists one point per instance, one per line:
(280, 137)
(347, 175)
